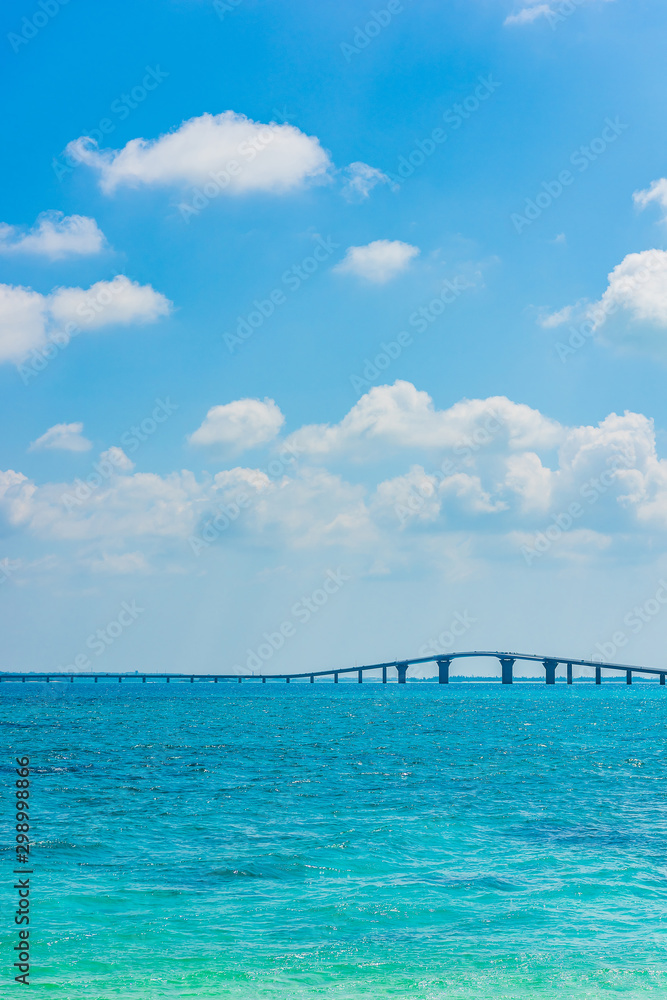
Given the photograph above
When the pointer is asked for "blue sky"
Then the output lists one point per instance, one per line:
(470, 192)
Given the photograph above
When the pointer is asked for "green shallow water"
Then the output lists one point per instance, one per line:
(248, 842)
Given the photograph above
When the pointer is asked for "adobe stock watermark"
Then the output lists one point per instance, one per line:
(7, 569)
(301, 614)
(635, 620)
(454, 117)
(561, 12)
(447, 640)
(102, 638)
(591, 491)
(224, 7)
(419, 320)
(581, 158)
(364, 34)
(31, 26)
(597, 314)
(480, 438)
(292, 279)
(114, 460)
(119, 110)
(228, 513)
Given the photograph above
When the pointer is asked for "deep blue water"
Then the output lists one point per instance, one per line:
(468, 842)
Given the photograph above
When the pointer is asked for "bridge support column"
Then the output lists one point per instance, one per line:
(550, 667)
(360, 676)
(144, 678)
(662, 680)
(443, 671)
(628, 676)
(384, 675)
(598, 675)
(402, 669)
(335, 678)
(263, 680)
(287, 680)
(240, 680)
(569, 673)
(506, 664)
(312, 678)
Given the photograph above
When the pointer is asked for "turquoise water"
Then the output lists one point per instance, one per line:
(468, 842)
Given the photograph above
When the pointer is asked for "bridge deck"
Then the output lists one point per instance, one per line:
(401, 666)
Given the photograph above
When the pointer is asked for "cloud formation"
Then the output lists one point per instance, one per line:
(63, 437)
(237, 426)
(491, 472)
(360, 181)
(631, 315)
(236, 153)
(29, 320)
(55, 236)
(379, 261)
(657, 192)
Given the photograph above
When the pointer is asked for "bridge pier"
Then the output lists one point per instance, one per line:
(550, 667)
(312, 678)
(240, 679)
(628, 676)
(287, 680)
(506, 664)
(598, 675)
(443, 671)
(384, 675)
(662, 680)
(569, 673)
(402, 669)
(335, 678)
(360, 676)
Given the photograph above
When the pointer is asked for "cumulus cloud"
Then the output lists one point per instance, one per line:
(63, 437)
(55, 236)
(631, 315)
(360, 181)
(245, 423)
(29, 320)
(399, 416)
(238, 154)
(379, 261)
(501, 475)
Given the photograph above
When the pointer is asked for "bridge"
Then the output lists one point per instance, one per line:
(401, 667)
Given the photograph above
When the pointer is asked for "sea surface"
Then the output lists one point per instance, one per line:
(274, 842)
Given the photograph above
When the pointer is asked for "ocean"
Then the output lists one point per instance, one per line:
(467, 842)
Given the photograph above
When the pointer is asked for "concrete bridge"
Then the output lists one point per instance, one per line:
(401, 667)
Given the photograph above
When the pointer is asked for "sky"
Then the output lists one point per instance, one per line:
(332, 334)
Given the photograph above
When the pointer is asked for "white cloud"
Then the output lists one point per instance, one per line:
(63, 437)
(508, 474)
(656, 192)
(379, 261)
(29, 320)
(631, 315)
(245, 423)
(529, 14)
(533, 10)
(360, 181)
(399, 416)
(54, 235)
(238, 154)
